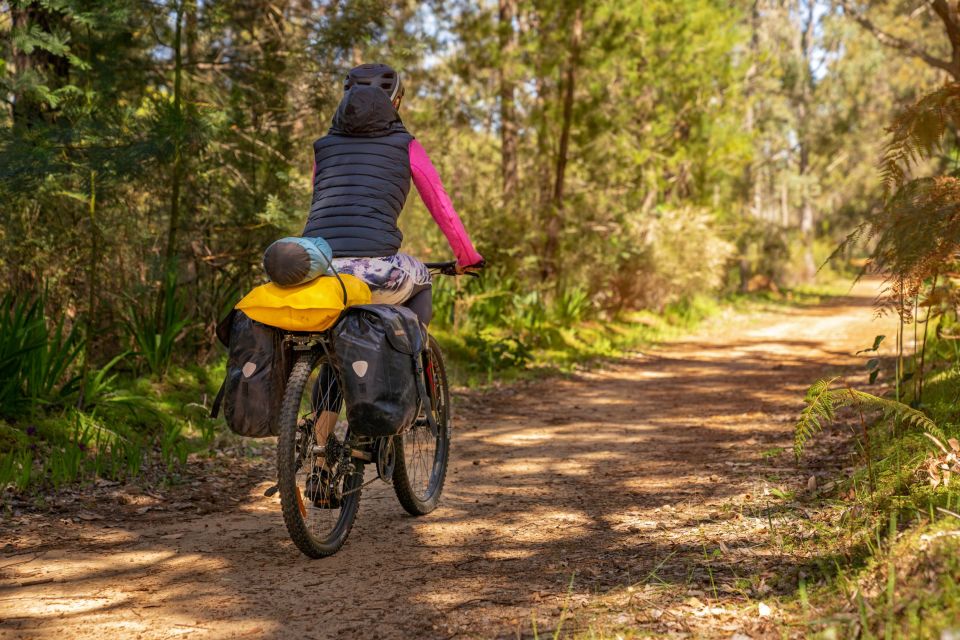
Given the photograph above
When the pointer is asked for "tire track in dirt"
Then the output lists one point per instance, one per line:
(615, 477)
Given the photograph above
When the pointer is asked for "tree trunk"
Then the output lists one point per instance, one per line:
(23, 111)
(540, 121)
(784, 203)
(93, 267)
(803, 96)
(753, 171)
(555, 224)
(508, 116)
(189, 182)
(568, 88)
(53, 69)
(176, 169)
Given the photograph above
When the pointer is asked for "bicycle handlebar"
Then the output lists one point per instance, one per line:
(450, 268)
(441, 265)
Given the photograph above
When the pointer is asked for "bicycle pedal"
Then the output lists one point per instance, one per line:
(272, 491)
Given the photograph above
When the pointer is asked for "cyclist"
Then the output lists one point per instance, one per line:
(361, 178)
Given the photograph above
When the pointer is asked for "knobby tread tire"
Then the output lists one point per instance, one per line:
(401, 482)
(287, 472)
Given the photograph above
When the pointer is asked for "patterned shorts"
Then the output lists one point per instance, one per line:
(393, 279)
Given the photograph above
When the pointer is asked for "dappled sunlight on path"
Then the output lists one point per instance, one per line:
(616, 477)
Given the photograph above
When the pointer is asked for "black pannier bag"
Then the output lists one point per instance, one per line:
(258, 365)
(378, 349)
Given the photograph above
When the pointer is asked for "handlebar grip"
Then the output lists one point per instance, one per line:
(450, 268)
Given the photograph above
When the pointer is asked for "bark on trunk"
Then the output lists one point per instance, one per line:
(751, 172)
(569, 86)
(802, 99)
(508, 116)
(54, 69)
(170, 263)
(93, 287)
(555, 224)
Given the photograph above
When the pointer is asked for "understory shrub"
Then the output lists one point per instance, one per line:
(680, 253)
(37, 356)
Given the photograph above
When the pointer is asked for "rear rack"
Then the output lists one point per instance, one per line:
(303, 342)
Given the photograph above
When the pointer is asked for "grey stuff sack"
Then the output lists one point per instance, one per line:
(377, 351)
(258, 364)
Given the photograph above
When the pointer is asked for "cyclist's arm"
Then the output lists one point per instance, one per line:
(435, 197)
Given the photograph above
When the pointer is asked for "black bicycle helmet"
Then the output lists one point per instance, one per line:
(377, 75)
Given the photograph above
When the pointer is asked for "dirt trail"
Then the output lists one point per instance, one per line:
(650, 473)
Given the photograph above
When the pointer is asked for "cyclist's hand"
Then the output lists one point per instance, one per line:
(472, 269)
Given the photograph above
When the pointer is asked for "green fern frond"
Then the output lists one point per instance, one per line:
(892, 408)
(848, 243)
(823, 402)
(819, 411)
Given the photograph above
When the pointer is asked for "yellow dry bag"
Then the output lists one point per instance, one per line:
(314, 306)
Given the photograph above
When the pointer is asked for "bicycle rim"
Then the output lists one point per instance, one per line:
(422, 457)
(319, 514)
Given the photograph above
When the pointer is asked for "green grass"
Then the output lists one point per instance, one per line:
(139, 421)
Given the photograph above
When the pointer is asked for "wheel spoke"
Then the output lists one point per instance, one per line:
(422, 467)
(312, 482)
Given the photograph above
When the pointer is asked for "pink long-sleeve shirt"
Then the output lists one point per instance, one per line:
(434, 196)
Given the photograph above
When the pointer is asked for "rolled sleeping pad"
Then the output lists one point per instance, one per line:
(289, 262)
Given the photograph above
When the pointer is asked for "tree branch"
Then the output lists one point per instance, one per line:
(941, 8)
(900, 44)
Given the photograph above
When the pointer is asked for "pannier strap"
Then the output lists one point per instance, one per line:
(337, 276)
(223, 328)
(215, 409)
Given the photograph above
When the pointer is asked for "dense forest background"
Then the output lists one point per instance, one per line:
(607, 157)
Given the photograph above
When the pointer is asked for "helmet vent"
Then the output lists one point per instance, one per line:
(376, 75)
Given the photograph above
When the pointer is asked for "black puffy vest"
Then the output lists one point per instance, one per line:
(362, 177)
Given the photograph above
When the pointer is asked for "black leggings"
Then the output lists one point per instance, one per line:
(421, 303)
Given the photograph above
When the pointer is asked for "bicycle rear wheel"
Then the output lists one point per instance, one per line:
(421, 466)
(318, 512)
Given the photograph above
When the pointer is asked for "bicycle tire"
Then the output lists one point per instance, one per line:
(293, 506)
(418, 503)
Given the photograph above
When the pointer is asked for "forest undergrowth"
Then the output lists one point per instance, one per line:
(885, 552)
(143, 414)
(885, 538)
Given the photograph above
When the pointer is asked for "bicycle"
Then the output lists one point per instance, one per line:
(331, 473)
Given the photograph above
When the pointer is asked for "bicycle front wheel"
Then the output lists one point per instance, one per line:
(421, 466)
(319, 482)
